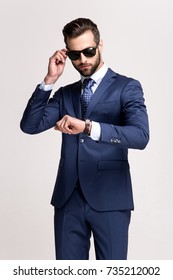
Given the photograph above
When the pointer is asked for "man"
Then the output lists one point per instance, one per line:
(100, 118)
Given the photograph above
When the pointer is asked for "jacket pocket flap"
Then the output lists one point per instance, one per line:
(112, 164)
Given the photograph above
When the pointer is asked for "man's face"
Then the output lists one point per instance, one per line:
(86, 66)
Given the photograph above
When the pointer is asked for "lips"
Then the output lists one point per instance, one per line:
(84, 66)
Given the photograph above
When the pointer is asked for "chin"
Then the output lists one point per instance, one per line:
(85, 73)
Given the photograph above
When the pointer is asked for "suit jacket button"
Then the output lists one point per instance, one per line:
(82, 140)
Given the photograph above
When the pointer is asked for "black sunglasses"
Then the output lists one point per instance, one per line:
(88, 52)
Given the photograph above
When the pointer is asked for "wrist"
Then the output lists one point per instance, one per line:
(49, 80)
(88, 127)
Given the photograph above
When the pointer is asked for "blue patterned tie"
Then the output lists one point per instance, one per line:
(86, 95)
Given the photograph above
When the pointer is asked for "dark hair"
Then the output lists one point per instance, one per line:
(78, 26)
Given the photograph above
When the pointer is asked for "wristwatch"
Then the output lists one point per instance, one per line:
(88, 126)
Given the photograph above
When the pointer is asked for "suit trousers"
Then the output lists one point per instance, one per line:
(74, 223)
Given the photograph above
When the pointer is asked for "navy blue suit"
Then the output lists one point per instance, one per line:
(101, 167)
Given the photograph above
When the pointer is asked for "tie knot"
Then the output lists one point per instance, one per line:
(88, 83)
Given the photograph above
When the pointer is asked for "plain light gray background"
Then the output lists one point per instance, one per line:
(137, 37)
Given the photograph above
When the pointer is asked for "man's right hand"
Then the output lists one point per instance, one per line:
(56, 66)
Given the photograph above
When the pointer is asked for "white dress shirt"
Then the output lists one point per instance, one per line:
(97, 77)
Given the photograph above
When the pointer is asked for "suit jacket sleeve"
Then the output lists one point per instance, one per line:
(41, 113)
(133, 132)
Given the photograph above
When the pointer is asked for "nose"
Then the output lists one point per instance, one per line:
(82, 58)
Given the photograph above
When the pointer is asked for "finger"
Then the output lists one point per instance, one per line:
(64, 52)
(59, 57)
(66, 127)
(63, 126)
(56, 127)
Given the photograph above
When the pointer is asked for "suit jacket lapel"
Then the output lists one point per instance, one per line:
(105, 83)
(76, 93)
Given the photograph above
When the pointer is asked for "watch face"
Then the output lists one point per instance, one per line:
(88, 125)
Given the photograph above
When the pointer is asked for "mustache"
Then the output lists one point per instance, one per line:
(84, 64)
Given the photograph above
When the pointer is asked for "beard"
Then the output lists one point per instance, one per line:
(87, 69)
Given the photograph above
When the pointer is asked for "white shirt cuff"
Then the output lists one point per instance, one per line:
(95, 131)
(44, 87)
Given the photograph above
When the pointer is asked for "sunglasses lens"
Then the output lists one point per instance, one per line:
(89, 52)
(73, 55)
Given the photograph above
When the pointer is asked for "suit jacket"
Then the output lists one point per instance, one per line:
(101, 167)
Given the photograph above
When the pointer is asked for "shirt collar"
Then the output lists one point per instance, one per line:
(98, 75)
